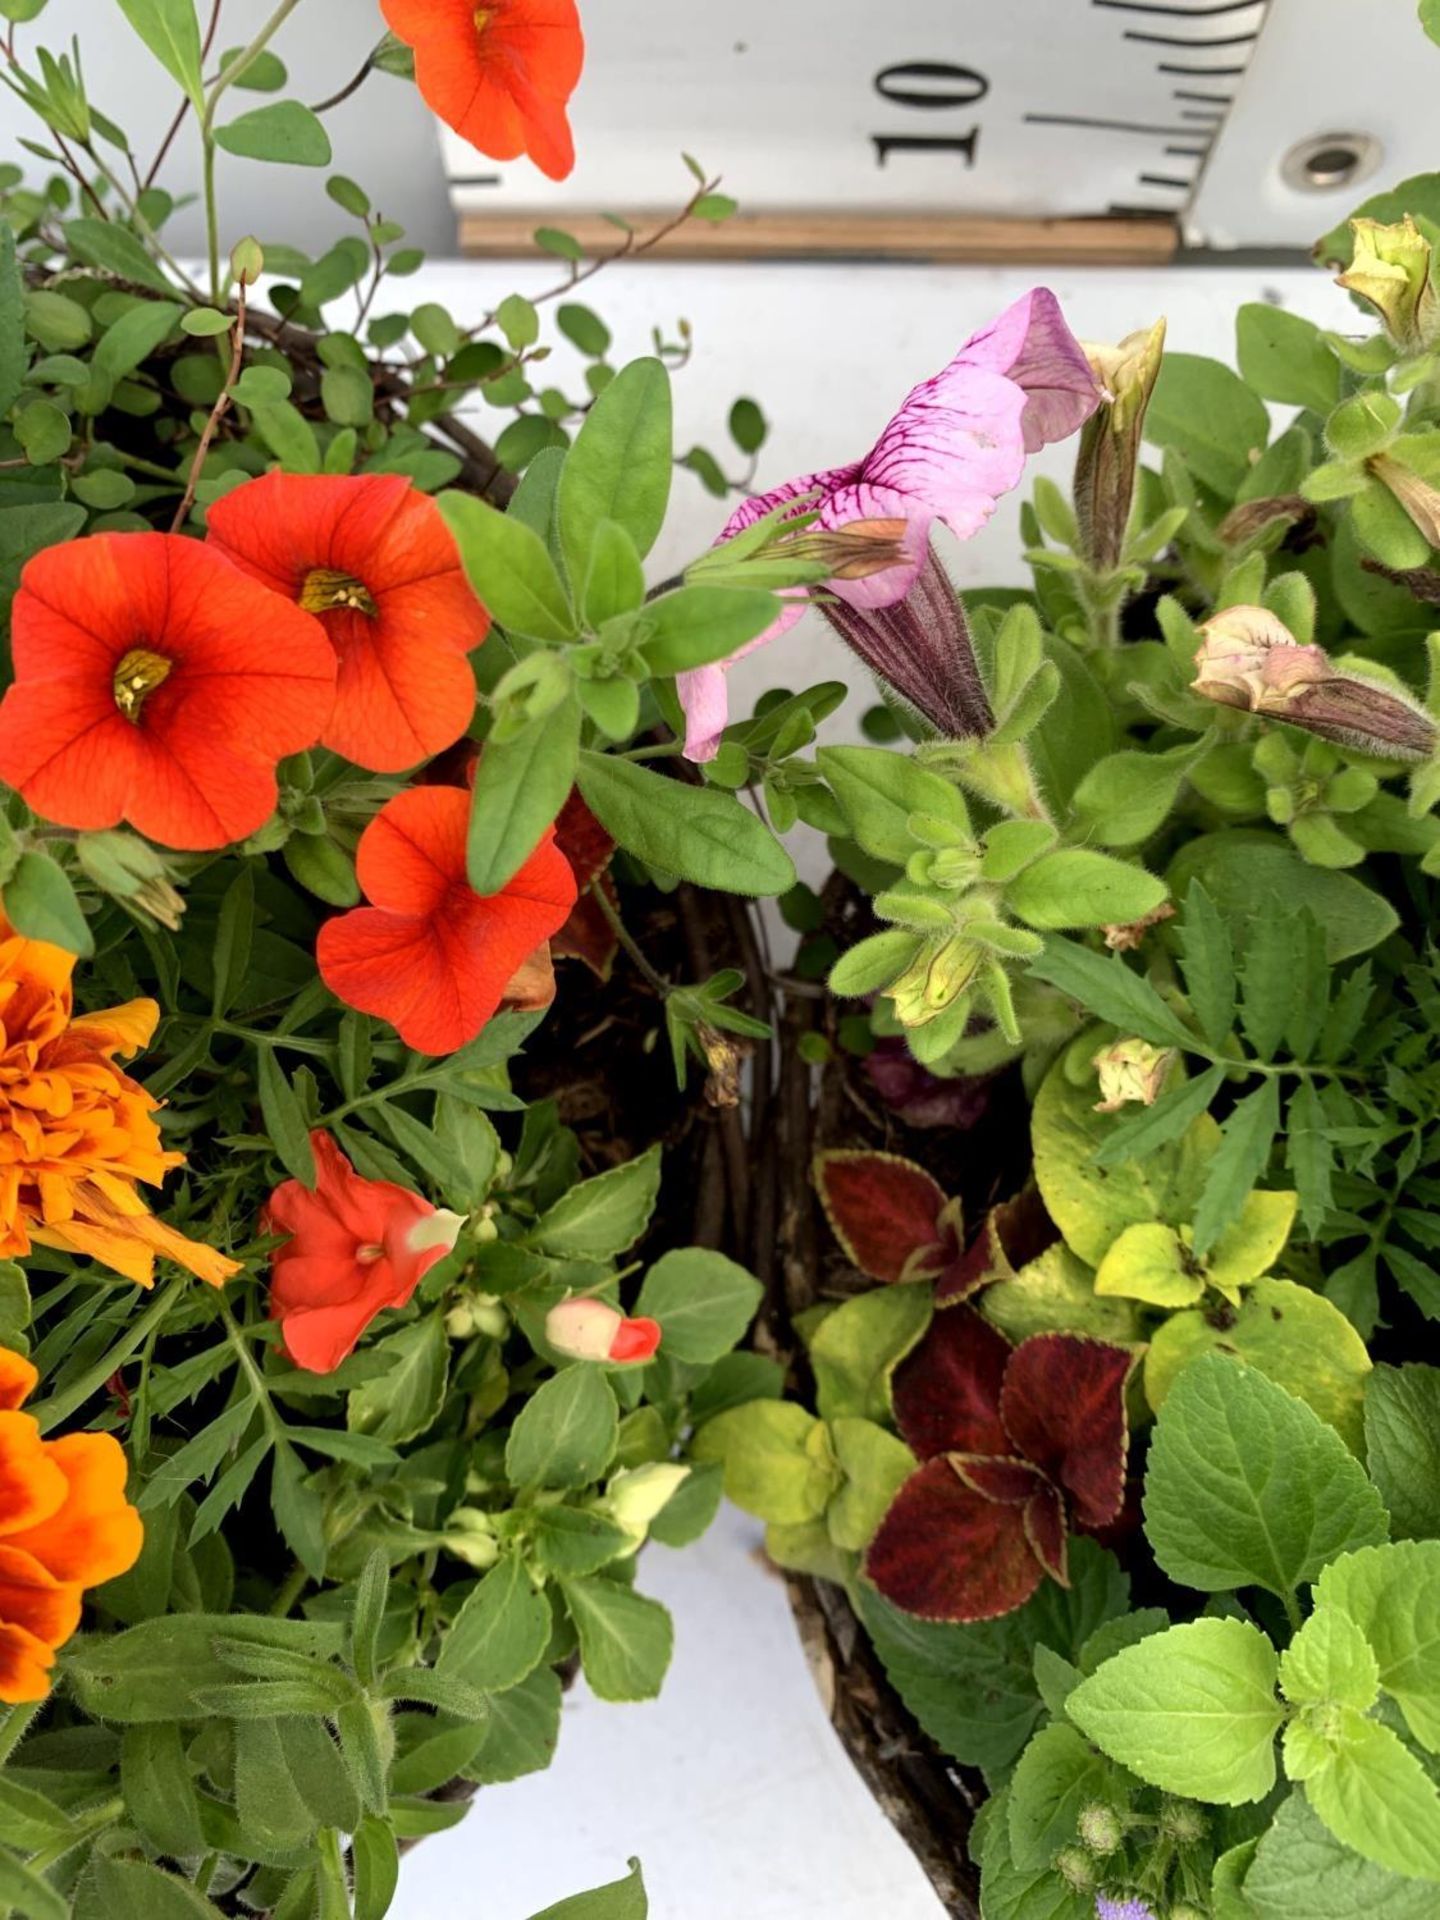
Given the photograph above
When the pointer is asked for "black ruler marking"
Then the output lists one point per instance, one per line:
(1177, 12)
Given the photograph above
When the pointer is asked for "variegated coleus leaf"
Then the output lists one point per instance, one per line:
(1014, 1233)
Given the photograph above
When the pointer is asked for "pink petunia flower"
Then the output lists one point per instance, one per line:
(958, 442)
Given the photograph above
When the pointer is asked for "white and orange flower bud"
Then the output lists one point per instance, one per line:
(441, 1228)
(585, 1329)
(1131, 1072)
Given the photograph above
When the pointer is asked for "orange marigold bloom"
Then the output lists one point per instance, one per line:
(500, 73)
(76, 1132)
(154, 683)
(430, 955)
(373, 559)
(65, 1525)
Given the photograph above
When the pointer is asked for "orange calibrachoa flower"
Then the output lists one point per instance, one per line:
(356, 1246)
(429, 954)
(76, 1132)
(155, 683)
(65, 1525)
(500, 73)
(372, 557)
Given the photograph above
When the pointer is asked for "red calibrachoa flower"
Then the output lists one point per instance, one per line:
(155, 683)
(372, 558)
(1019, 1446)
(501, 73)
(357, 1247)
(429, 954)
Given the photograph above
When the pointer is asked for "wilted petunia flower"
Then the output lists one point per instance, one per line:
(958, 442)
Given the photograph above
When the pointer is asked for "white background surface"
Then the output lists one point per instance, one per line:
(731, 1787)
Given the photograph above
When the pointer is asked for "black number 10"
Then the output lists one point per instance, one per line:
(930, 86)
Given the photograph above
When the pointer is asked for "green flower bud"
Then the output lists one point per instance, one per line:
(1100, 1827)
(935, 979)
(1392, 271)
(470, 1536)
(1076, 1869)
(1109, 455)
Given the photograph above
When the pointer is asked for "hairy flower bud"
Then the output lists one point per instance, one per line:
(921, 648)
(1131, 1070)
(1075, 1868)
(1100, 1827)
(935, 979)
(1391, 269)
(634, 1499)
(1249, 659)
(587, 1329)
(1109, 455)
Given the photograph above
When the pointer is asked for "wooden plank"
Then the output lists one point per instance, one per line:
(939, 238)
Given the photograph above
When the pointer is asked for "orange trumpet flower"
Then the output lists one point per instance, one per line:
(372, 559)
(501, 74)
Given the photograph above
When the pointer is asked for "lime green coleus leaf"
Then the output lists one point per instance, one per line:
(1392, 1593)
(1296, 1338)
(856, 1348)
(777, 1460)
(1092, 1206)
(1055, 1293)
(1192, 1710)
(876, 1465)
(1158, 1264)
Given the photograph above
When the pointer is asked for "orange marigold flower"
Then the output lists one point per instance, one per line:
(500, 73)
(429, 954)
(65, 1525)
(356, 1247)
(76, 1132)
(155, 683)
(372, 557)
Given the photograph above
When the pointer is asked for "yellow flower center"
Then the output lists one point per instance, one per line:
(483, 17)
(326, 591)
(136, 677)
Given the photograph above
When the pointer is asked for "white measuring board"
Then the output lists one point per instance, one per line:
(1007, 108)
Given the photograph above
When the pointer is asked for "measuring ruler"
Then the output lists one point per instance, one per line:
(850, 121)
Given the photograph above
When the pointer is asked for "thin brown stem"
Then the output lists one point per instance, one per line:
(350, 87)
(217, 414)
(623, 935)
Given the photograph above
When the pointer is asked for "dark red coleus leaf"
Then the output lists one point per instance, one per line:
(1045, 1530)
(588, 934)
(1013, 1483)
(1014, 1233)
(947, 1392)
(890, 1216)
(946, 1552)
(1063, 1406)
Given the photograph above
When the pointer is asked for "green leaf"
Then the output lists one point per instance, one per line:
(40, 903)
(620, 465)
(774, 1467)
(1191, 1710)
(1309, 1154)
(1013, 1892)
(1211, 418)
(1285, 358)
(1402, 1446)
(500, 1634)
(1330, 1661)
(509, 566)
(24, 531)
(1207, 959)
(159, 1791)
(171, 31)
(876, 1465)
(574, 1540)
(1142, 1131)
(284, 1118)
(1078, 888)
(619, 1900)
(522, 1731)
(1245, 1485)
(879, 790)
(1268, 969)
(973, 1688)
(856, 1348)
(695, 833)
(156, 1670)
(13, 353)
(1302, 1872)
(703, 1302)
(1059, 1774)
(1125, 797)
(1112, 991)
(404, 1400)
(230, 959)
(286, 133)
(114, 249)
(1378, 1799)
(1430, 18)
(566, 1433)
(1392, 1593)
(113, 1889)
(626, 1640)
(521, 784)
(31, 1896)
(615, 583)
(604, 1215)
(1297, 1338)
(376, 1860)
(696, 625)
(1245, 871)
(1238, 1162)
